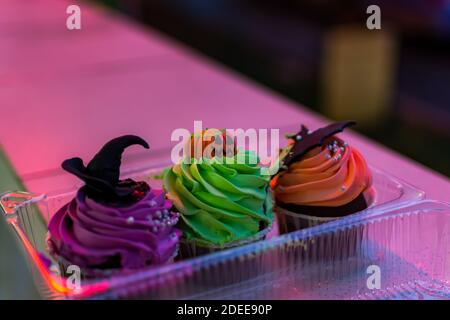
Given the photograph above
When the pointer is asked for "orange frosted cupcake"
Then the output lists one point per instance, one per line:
(321, 178)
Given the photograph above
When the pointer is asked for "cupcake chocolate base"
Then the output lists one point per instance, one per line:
(356, 205)
(295, 217)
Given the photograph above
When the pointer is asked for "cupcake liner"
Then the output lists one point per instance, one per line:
(91, 273)
(94, 273)
(88, 274)
(197, 247)
(290, 221)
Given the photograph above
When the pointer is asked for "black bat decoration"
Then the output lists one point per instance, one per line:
(306, 141)
(101, 176)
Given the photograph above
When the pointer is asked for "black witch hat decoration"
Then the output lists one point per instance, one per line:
(305, 140)
(101, 176)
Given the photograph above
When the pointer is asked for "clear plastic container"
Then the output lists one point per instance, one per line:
(405, 239)
(385, 191)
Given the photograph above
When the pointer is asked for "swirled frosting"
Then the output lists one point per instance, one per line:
(94, 235)
(219, 201)
(331, 175)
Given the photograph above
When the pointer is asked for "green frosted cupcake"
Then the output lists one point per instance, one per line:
(222, 204)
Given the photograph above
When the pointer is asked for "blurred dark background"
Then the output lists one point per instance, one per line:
(395, 81)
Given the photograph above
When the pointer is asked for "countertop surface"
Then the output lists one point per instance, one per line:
(64, 93)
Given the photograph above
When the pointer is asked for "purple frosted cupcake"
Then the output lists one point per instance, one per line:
(113, 225)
